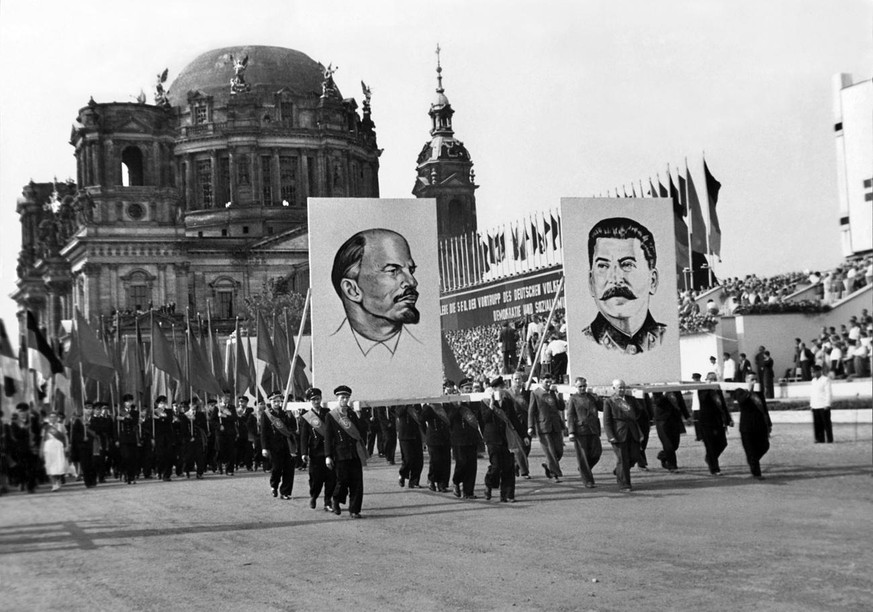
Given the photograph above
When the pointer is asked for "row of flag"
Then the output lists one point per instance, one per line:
(692, 229)
(102, 365)
(535, 241)
(508, 249)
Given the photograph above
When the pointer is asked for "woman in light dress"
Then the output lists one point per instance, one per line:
(54, 447)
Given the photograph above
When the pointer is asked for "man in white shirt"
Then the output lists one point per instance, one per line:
(729, 368)
(820, 403)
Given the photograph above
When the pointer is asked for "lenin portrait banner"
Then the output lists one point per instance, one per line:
(374, 276)
(620, 289)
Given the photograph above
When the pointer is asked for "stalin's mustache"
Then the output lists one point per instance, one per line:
(618, 291)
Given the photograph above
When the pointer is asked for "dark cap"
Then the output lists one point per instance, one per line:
(242, 398)
(277, 393)
(448, 383)
(342, 390)
(465, 382)
(496, 382)
(160, 398)
(312, 392)
(127, 397)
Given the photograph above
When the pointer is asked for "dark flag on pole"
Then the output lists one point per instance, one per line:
(95, 362)
(698, 228)
(712, 189)
(40, 356)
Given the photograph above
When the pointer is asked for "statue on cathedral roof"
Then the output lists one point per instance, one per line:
(238, 82)
(160, 93)
(328, 87)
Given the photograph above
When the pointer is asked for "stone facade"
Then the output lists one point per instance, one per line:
(198, 199)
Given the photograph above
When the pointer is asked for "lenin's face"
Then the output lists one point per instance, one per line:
(620, 279)
(386, 285)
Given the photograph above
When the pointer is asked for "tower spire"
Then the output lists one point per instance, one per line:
(439, 71)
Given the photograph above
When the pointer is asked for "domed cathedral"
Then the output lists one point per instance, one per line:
(198, 197)
(445, 170)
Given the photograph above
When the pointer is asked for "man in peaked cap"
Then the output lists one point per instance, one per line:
(345, 453)
(313, 429)
(279, 444)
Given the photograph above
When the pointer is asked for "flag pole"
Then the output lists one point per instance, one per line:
(152, 369)
(709, 253)
(188, 336)
(297, 345)
(543, 335)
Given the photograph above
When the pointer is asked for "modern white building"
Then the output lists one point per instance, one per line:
(853, 128)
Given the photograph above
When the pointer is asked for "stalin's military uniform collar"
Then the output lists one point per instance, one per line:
(649, 336)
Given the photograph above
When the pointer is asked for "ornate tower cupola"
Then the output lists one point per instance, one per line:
(444, 169)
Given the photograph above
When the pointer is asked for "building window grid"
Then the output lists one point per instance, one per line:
(225, 304)
(288, 178)
(224, 177)
(266, 180)
(204, 179)
(139, 297)
(200, 114)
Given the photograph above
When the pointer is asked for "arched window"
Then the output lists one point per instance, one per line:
(131, 167)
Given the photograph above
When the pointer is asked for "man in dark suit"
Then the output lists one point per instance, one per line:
(670, 410)
(714, 419)
(464, 430)
(509, 347)
(583, 424)
(279, 445)
(313, 430)
(85, 445)
(546, 420)
(520, 398)
(755, 424)
(409, 425)
(388, 428)
(165, 439)
(501, 430)
(620, 421)
(438, 440)
(345, 452)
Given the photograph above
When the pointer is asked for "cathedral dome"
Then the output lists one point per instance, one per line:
(268, 70)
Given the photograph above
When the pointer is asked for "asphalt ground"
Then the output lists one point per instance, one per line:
(799, 540)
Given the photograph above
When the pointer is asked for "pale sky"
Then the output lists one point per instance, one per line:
(552, 99)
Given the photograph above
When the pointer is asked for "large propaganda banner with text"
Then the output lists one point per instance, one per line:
(502, 300)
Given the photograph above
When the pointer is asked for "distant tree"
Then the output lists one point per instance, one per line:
(273, 299)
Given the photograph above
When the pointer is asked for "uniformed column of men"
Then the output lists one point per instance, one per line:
(334, 445)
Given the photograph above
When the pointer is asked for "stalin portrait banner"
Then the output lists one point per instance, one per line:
(620, 283)
(374, 276)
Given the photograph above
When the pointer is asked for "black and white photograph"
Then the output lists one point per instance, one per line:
(408, 305)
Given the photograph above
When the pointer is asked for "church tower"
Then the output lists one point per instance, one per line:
(444, 169)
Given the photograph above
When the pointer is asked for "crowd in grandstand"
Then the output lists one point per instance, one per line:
(479, 352)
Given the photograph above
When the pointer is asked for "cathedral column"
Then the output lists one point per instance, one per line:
(213, 170)
(113, 285)
(162, 284)
(231, 196)
(91, 276)
(275, 178)
(255, 163)
(303, 182)
(156, 174)
(190, 201)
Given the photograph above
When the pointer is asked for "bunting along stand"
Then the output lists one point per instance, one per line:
(296, 346)
(536, 356)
